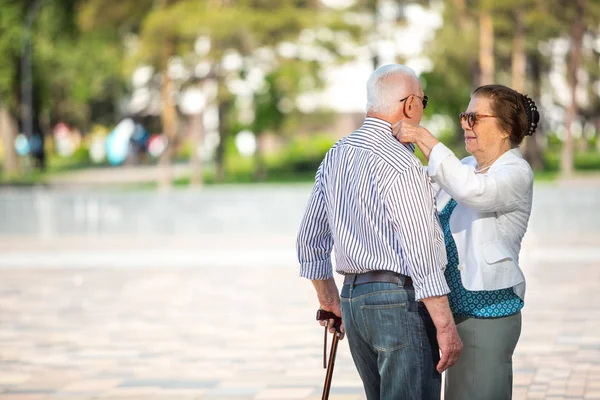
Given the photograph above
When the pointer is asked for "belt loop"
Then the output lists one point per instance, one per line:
(350, 286)
(401, 281)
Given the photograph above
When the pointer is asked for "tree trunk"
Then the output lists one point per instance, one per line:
(225, 104)
(168, 119)
(532, 150)
(598, 135)
(196, 159)
(582, 144)
(529, 146)
(518, 54)
(567, 160)
(8, 134)
(460, 18)
(486, 48)
(260, 167)
(459, 10)
(374, 9)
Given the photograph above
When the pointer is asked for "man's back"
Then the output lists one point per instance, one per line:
(356, 176)
(376, 208)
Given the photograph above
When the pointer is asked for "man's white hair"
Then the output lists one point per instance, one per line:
(383, 97)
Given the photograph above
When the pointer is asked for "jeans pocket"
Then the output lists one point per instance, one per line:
(386, 326)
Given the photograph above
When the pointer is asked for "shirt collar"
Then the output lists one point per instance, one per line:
(378, 124)
(385, 127)
(514, 152)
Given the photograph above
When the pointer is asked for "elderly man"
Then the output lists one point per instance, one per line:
(373, 202)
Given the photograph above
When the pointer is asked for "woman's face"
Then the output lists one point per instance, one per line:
(482, 129)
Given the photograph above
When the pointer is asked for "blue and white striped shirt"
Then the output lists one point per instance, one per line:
(372, 200)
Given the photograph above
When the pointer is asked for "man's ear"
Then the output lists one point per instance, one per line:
(410, 107)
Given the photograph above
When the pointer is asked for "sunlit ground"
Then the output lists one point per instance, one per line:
(225, 316)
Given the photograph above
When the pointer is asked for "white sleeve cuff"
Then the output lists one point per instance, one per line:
(438, 154)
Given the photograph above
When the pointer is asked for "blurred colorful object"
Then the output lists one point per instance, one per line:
(117, 143)
(245, 141)
(22, 145)
(97, 149)
(63, 137)
(96, 141)
(139, 138)
(156, 145)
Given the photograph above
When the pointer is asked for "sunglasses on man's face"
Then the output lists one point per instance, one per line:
(471, 118)
(424, 99)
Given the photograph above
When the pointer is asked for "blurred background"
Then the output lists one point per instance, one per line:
(251, 91)
(157, 155)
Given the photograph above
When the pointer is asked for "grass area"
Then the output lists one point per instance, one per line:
(30, 179)
(545, 176)
(244, 179)
(280, 170)
(184, 182)
(234, 179)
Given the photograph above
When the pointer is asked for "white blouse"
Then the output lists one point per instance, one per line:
(491, 217)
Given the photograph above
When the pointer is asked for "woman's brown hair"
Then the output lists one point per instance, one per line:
(517, 114)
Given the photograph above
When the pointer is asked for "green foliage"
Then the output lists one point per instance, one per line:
(267, 114)
(11, 15)
(298, 159)
(70, 68)
(302, 154)
(81, 67)
(588, 161)
(554, 143)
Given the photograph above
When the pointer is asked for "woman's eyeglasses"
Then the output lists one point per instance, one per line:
(472, 118)
(424, 99)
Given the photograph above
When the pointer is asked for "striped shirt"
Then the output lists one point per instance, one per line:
(373, 202)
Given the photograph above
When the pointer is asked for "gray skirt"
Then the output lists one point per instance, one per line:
(484, 369)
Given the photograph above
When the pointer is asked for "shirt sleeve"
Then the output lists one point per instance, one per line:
(315, 242)
(411, 206)
(499, 190)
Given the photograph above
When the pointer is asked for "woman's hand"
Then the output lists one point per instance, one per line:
(409, 132)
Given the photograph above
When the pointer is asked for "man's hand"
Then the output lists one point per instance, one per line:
(450, 347)
(336, 309)
(447, 335)
(329, 299)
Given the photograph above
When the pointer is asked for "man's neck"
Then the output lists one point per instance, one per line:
(382, 117)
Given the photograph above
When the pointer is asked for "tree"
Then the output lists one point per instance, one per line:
(10, 39)
(239, 27)
(486, 45)
(69, 68)
(512, 42)
(455, 59)
(524, 49)
(575, 60)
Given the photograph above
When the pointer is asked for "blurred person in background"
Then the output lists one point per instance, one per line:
(373, 202)
(484, 203)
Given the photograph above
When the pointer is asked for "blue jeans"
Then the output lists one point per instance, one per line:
(392, 340)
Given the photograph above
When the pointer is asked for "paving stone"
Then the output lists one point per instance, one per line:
(245, 333)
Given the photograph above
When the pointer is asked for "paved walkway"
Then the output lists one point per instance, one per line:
(244, 330)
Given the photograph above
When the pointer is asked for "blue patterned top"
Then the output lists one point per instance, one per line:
(479, 304)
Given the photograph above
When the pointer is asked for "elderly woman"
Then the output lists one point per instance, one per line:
(484, 203)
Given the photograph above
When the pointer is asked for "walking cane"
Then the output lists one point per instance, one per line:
(323, 315)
